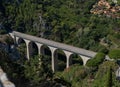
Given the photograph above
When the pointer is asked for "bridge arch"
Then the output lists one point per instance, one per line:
(20, 40)
(85, 59)
(60, 59)
(47, 55)
(45, 50)
(76, 59)
(21, 46)
(33, 49)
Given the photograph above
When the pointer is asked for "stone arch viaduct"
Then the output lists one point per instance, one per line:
(53, 46)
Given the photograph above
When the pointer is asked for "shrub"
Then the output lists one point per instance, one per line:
(103, 49)
(3, 31)
(114, 54)
(96, 60)
(117, 35)
(109, 78)
(75, 74)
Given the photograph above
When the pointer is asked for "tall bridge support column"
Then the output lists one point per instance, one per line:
(27, 45)
(13, 37)
(69, 60)
(85, 59)
(39, 47)
(54, 59)
(16, 40)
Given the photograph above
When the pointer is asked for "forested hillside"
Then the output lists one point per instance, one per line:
(66, 21)
(81, 23)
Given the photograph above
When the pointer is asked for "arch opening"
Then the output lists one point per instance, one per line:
(33, 49)
(60, 56)
(46, 53)
(76, 59)
(45, 50)
(22, 49)
(20, 40)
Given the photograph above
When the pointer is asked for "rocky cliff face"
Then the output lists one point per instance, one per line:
(4, 80)
(103, 7)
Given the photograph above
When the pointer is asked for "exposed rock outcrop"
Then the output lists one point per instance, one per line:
(103, 7)
(4, 80)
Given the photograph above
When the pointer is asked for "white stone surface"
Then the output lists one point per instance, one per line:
(4, 80)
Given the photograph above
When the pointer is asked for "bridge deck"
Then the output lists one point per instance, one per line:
(56, 44)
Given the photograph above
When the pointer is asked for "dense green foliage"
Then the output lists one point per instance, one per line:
(67, 21)
(80, 76)
(109, 78)
(74, 75)
(98, 59)
(114, 54)
(105, 75)
(31, 73)
(37, 73)
(13, 69)
(36, 70)
(3, 31)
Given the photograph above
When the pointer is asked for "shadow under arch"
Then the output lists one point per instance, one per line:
(76, 59)
(33, 49)
(45, 50)
(22, 48)
(20, 40)
(46, 56)
(61, 59)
